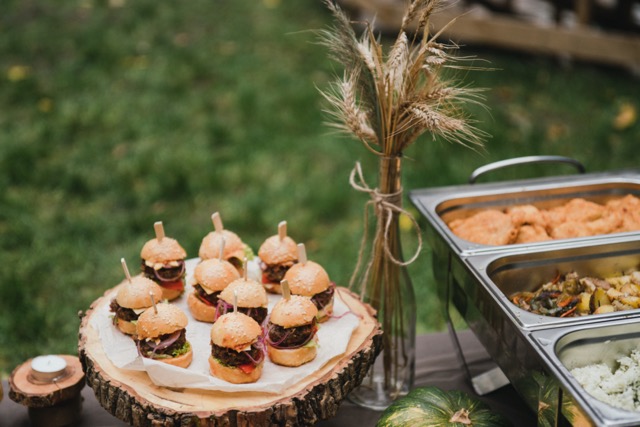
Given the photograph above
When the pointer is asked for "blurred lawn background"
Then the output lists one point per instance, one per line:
(115, 114)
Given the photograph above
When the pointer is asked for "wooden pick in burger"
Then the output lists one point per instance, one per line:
(217, 222)
(282, 230)
(153, 301)
(222, 244)
(286, 292)
(126, 269)
(159, 228)
(302, 254)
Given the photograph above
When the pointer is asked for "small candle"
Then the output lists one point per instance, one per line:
(47, 368)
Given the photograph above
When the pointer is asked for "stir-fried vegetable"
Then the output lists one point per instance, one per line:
(571, 295)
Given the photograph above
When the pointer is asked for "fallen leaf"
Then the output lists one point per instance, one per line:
(626, 117)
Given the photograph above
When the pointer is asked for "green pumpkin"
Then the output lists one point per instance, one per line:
(433, 407)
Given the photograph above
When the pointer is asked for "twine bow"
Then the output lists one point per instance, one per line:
(388, 203)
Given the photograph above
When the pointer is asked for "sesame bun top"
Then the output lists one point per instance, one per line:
(167, 320)
(295, 311)
(307, 279)
(210, 246)
(162, 251)
(278, 251)
(137, 294)
(235, 330)
(214, 275)
(250, 293)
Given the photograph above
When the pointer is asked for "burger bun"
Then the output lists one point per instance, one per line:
(168, 319)
(235, 330)
(250, 293)
(234, 375)
(162, 251)
(307, 279)
(210, 246)
(293, 356)
(214, 274)
(292, 312)
(170, 294)
(278, 251)
(126, 327)
(137, 293)
(200, 310)
(182, 361)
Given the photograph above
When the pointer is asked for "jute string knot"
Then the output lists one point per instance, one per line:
(385, 205)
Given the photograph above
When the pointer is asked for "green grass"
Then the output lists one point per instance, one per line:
(114, 117)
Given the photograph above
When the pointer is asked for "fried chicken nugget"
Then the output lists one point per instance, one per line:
(587, 223)
(575, 210)
(628, 208)
(526, 215)
(488, 227)
(531, 234)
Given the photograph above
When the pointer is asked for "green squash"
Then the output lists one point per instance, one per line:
(433, 407)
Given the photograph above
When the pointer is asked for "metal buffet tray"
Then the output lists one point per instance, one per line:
(570, 347)
(531, 350)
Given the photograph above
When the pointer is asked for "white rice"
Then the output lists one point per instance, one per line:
(619, 387)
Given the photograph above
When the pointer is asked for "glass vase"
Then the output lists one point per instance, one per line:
(387, 287)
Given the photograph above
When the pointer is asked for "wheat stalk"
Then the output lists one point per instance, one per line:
(389, 99)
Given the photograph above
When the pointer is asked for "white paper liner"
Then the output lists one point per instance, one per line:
(333, 338)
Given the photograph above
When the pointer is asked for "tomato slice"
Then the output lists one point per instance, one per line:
(265, 279)
(247, 368)
(206, 301)
(178, 285)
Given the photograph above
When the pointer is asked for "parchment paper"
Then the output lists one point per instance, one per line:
(333, 338)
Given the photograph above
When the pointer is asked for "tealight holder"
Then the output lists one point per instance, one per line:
(49, 386)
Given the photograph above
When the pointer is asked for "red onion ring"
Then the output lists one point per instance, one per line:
(222, 308)
(254, 361)
(165, 342)
(170, 279)
(332, 289)
(279, 346)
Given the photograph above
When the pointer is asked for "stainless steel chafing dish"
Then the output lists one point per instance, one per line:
(532, 350)
(566, 348)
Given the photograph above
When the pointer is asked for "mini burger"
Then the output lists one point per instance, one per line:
(163, 262)
(161, 335)
(233, 249)
(133, 297)
(210, 277)
(251, 299)
(291, 332)
(309, 279)
(237, 352)
(277, 254)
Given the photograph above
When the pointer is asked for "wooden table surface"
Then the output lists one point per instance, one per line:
(436, 364)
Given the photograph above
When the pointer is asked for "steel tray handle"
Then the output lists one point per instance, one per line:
(521, 161)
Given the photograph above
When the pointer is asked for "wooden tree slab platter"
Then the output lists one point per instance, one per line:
(40, 395)
(50, 404)
(132, 397)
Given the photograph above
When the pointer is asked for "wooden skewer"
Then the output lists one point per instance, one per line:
(222, 244)
(235, 301)
(282, 230)
(217, 221)
(286, 292)
(126, 269)
(159, 230)
(153, 301)
(302, 254)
